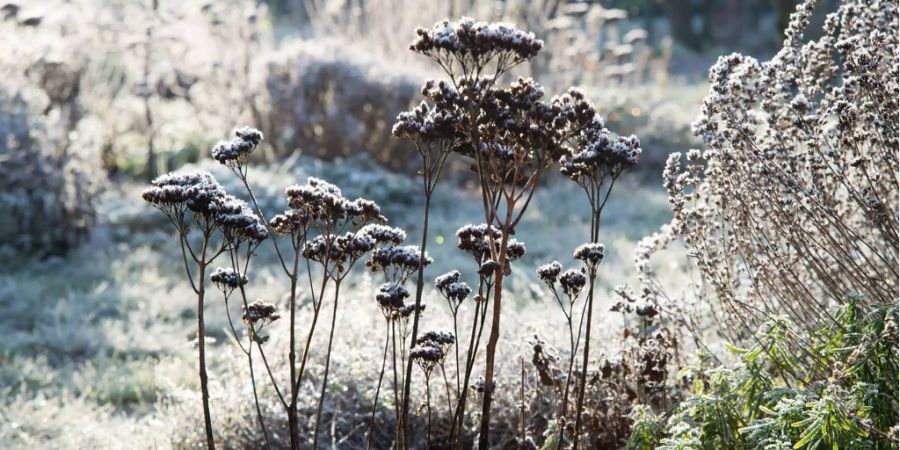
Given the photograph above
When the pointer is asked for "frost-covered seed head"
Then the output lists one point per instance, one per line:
(391, 296)
(194, 191)
(572, 282)
(549, 273)
(467, 39)
(591, 254)
(260, 311)
(236, 152)
(227, 279)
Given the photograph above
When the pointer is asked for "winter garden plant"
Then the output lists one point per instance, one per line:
(510, 135)
(789, 214)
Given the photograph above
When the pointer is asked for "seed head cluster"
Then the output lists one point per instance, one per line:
(237, 221)
(227, 279)
(467, 38)
(591, 254)
(321, 204)
(259, 312)
(475, 240)
(431, 348)
(402, 260)
(572, 282)
(451, 288)
(176, 192)
(549, 273)
(234, 153)
(391, 297)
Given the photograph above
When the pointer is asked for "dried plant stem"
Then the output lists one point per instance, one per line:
(259, 414)
(248, 351)
(594, 191)
(478, 322)
(398, 435)
(428, 410)
(387, 341)
(582, 382)
(432, 166)
(292, 355)
(522, 400)
(201, 340)
(337, 290)
(494, 336)
(293, 274)
(447, 386)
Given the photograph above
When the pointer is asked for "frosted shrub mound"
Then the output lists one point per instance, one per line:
(791, 208)
(332, 100)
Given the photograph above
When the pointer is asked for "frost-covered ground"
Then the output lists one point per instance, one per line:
(97, 350)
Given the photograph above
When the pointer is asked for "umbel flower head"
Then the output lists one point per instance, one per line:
(260, 312)
(391, 296)
(174, 193)
(572, 282)
(321, 203)
(237, 221)
(398, 262)
(591, 254)
(601, 157)
(428, 123)
(451, 288)
(234, 153)
(227, 279)
(427, 355)
(338, 251)
(475, 240)
(466, 39)
(549, 273)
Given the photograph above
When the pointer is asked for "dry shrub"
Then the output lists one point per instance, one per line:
(792, 208)
(330, 100)
(47, 189)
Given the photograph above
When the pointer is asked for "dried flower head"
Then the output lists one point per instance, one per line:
(398, 262)
(408, 309)
(427, 356)
(259, 311)
(601, 157)
(174, 193)
(549, 273)
(451, 288)
(442, 339)
(237, 221)
(488, 268)
(321, 203)
(478, 385)
(442, 282)
(391, 296)
(338, 251)
(467, 40)
(572, 282)
(227, 279)
(234, 153)
(429, 123)
(476, 241)
(383, 234)
(291, 221)
(591, 254)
